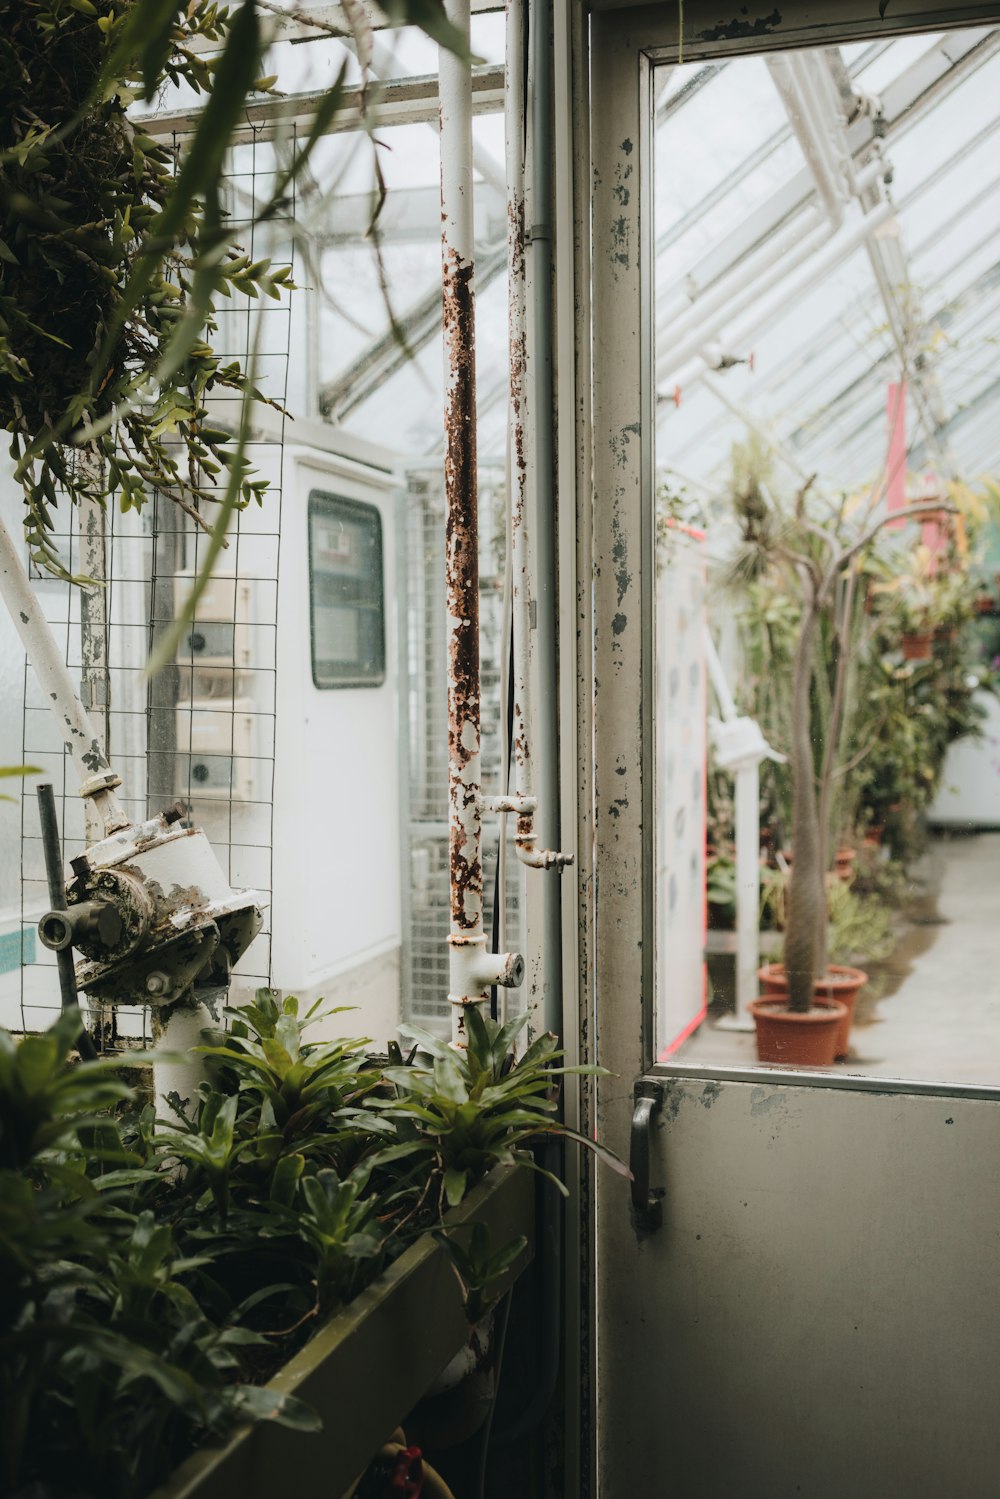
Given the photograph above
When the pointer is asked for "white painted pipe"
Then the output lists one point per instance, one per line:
(689, 298)
(175, 1038)
(683, 366)
(805, 116)
(529, 267)
(86, 750)
(738, 287)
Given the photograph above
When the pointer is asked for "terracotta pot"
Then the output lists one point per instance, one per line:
(917, 647)
(797, 1040)
(839, 983)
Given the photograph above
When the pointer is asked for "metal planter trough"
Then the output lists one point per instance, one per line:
(366, 1368)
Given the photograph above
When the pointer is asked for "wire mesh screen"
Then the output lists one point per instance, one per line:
(425, 851)
(201, 731)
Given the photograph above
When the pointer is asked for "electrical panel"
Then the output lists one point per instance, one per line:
(215, 709)
(215, 748)
(218, 637)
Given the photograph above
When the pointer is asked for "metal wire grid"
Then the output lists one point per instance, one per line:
(154, 726)
(423, 711)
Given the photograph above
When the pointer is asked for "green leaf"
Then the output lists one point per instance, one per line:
(285, 1180)
(455, 1183)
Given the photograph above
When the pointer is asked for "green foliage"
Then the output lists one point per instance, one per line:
(114, 250)
(465, 1112)
(860, 925)
(154, 1273)
(42, 1100)
(111, 257)
(481, 1268)
(7, 771)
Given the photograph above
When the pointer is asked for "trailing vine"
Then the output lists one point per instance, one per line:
(110, 265)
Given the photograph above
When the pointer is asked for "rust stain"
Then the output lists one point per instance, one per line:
(462, 584)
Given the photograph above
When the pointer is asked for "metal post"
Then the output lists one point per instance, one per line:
(530, 443)
(97, 779)
(471, 969)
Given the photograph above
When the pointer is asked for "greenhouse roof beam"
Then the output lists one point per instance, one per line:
(935, 74)
(872, 416)
(805, 87)
(666, 107)
(946, 317)
(735, 324)
(397, 101)
(831, 330)
(385, 355)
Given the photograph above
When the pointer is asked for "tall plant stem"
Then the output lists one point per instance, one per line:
(832, 745)
(806, 895)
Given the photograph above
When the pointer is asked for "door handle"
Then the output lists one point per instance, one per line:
(647, 1206)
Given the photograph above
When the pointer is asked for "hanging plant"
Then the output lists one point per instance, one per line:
(112, 254)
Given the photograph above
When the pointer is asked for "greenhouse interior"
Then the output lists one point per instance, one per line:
(500, 749)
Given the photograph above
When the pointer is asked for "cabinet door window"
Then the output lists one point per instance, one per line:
(346, 595)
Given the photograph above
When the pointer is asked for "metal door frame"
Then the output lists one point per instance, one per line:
(615, 532)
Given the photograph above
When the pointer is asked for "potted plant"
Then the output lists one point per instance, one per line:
(161, 1280)
(815, 553)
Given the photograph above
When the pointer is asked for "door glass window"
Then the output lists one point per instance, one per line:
(827, 545)
(345, 591)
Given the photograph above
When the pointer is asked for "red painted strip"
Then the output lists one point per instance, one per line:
(688, 1030)
(686, 530)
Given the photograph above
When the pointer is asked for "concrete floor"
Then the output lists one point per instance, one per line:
(938, 1015)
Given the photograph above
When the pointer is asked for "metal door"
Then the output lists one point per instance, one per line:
(816, 1312)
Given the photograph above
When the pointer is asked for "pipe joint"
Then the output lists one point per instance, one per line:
(536, 858)
(522, 805)
(473, 970)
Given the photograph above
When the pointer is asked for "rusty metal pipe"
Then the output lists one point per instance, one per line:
(471, 968)
(95, 677)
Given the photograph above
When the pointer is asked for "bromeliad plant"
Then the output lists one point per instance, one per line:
(154, 1272)
(462, 1113)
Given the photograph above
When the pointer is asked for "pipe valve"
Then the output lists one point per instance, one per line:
(89, 923)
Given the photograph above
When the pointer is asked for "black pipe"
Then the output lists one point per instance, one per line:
(52, 848)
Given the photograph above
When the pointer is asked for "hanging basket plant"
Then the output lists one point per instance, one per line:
(112, 253)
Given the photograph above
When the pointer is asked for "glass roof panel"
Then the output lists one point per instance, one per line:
(873, 77)
(807, 358)
(713, 151)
